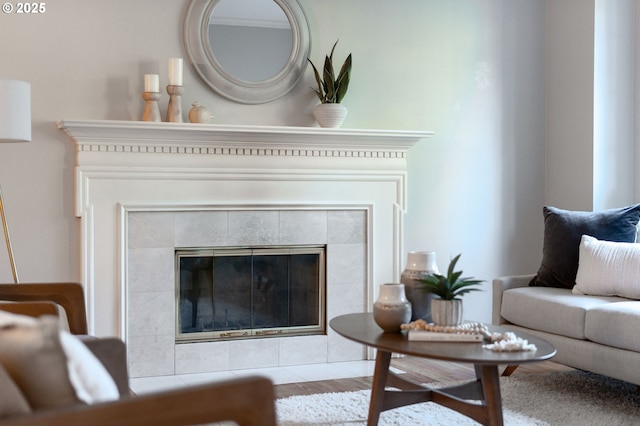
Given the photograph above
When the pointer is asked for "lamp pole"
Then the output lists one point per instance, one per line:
(7, 237)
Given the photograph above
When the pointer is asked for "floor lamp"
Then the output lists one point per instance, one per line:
(15, 126)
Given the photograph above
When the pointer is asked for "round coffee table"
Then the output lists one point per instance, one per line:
(362, 328)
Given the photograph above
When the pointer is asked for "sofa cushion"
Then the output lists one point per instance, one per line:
(12, 402)
(554, 310)
(31, 353)
(615, 324)
(563, 230)
(608, 269)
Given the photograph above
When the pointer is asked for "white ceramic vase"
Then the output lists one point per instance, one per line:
(330, 115)
(419, 263)
(392, 308)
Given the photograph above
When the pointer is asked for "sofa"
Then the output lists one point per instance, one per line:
(593, 333)
(585, 297)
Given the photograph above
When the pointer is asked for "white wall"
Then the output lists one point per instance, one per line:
(570, 103)
(614, 71)
(472, 71)
(590, 103)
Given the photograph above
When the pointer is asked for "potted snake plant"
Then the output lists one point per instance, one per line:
(446, 306)
(331, 89)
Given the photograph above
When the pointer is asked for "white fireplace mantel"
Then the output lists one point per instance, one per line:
(124, 166)
(91, 135)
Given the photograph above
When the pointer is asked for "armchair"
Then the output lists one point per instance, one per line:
(247, 401)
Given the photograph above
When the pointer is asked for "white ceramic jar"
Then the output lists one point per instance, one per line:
(392, 308)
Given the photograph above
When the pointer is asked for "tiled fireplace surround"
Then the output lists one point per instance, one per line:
(145, 188)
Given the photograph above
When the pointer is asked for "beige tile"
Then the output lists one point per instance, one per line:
(254, 353)
(341, 349)
(303, 227)
(151, 313)
(201, 229)
(150, 355)
(346, 263)
(347, 226)
(151, 229)
(202, 357)
(150, 269)
(300, 350)
(253, 227)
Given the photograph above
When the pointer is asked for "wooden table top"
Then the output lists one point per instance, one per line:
(362, 328)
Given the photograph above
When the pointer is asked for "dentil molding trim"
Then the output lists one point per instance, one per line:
(223, 139)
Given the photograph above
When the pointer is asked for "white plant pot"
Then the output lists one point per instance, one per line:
(330, 115)
(446, 312)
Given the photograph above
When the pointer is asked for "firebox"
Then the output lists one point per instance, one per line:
(249, 292)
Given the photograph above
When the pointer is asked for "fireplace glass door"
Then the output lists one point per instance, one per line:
(232, 293)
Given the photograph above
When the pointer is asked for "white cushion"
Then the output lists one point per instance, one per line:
(90, 379)
(608, 268)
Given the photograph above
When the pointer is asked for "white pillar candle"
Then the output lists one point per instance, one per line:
(175, 72)
(152, 83)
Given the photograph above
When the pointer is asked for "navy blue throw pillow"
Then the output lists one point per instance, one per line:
(563, 230)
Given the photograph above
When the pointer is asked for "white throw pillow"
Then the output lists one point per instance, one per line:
(90, 379)
(607, 268)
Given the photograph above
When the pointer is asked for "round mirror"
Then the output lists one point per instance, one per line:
(249, 51)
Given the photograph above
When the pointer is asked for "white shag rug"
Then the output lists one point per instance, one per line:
(568, 398)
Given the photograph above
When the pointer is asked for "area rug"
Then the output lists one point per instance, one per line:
(566, 398)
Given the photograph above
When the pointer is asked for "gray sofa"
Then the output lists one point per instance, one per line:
(593, 333)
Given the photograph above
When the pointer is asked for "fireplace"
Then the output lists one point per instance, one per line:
(147, 190)
(249, 292)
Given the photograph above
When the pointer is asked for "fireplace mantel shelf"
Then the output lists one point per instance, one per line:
(139, 136)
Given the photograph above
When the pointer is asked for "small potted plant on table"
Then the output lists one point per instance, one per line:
(446, 306)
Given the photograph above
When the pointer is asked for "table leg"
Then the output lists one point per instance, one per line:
(380, 374)
(490, 379)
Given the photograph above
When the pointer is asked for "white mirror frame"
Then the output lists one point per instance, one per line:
(195, 33)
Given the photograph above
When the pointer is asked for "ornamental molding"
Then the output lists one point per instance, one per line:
(133, 137)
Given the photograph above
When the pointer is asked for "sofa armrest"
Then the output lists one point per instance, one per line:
(248, 401)
(499, 286)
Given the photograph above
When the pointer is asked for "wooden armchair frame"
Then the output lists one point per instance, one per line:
(68, 295)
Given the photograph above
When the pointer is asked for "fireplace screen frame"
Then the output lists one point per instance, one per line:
(252, 333)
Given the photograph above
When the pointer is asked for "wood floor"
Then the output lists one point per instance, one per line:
(418, 369)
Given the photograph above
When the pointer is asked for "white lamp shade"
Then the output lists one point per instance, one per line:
(15, 111)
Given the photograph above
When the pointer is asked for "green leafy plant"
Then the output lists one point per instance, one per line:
(331, 89)
(451, 286)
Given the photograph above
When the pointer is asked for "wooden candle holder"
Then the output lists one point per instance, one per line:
(151, 109)
(174, 110)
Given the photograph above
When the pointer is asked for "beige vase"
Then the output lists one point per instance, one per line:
(391, 309)
(330, 115)
(446, 312)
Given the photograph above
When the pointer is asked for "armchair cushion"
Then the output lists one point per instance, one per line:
(31, 353)
(12, 402)
(52, 367)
